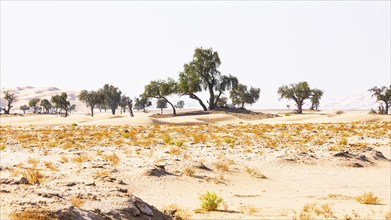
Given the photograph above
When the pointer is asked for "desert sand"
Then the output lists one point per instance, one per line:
(310, 166)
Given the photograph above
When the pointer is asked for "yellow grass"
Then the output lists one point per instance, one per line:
(368, 198)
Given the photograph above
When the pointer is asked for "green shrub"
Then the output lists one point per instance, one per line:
(210, 201)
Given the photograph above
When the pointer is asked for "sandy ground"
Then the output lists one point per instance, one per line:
(302, 174)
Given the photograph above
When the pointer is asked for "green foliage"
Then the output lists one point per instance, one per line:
(34, 104)
(10, 97)
(112, 96)
(61, 102)
(240, 95)
(180, 104)
(203, 71)
(160, 89)
(162, 104)
(316, 95)
(382, 94)
(142, 103)
(210, 201)
(24, 108)
(297, 92)
(46, 105)
(91, 99)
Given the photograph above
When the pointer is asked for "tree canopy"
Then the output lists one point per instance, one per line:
(33, 103)
(296, 92)
(61, 102)
(161, 89)
(382, 94)
(240, 95)
(112, 96)
(10, 97)
(91, 99)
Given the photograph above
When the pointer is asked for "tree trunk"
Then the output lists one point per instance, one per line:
(92, 111)
(299, 107)
(193, 96)
(218, 98)
(387, 107)
(242, 104)
(212, 97)
(173, 107)
(131, 112)
(113, 110)
(161, 111)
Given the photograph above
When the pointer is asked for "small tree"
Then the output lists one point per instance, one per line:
(123, 104)
(240, 95)
(112, 96)
(225, 83)
(33, 103)
(162, 104)
(24, 108)
(297, 92)
(316, 95)
(180, 104)
(382, 94)
(72, 108)
(160, 89)
(142, 103)
(61, 102)
(10, 97)
(223, 102)
(46, 105)
(91, 99)
(129, 103)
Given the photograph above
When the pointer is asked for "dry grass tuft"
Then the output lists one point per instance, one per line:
(189, 171)
(113, 159)
(177, 212)
(101, 174)
(388, 216)
(80, 158)
(247, 209)
(255, 173)
(50, 166)
(76, 202)
(33, 213)
(368, 198)
(33, 175)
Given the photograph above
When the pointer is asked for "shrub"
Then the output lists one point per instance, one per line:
(77, 202)
(33, 176)
(210, 201)
(33, 213)
(113, 159)
(189, 171)
(368, 198)
(247, 209)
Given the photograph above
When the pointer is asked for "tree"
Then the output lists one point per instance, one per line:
(189, 83)
(46, 105)
(205, 64)
(222, 102)
(224, 83)
(10, 97)
(33, 103)
(240, 95)
(382, 94)
(180, 104)
(297, 92)
(142, 103)
(61, 102)
(123, 104)
(91, 99)
(129, 103)
(72, 108)
(24, 108)
(160, 89)
(112, 96)
(162, 104)
(316, 95)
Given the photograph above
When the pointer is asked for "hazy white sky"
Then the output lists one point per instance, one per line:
(340, 47)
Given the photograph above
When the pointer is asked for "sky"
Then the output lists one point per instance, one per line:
(342, 48)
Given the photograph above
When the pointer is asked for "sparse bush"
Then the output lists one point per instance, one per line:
(33, 213)
(247, 209)
(255, 173)
(368, 198)
(210, 201)
(113, 159)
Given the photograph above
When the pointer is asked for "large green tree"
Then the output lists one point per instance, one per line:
(296, 92)
(241, 95)
(46, 105)
(189, 83)
(61, 102)
(382, 94)
(112, 96)
(205, 64)
(24, 108)
(10, 97)
(161, 89)
(91, 99)
(316, 95)
(33, 103)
